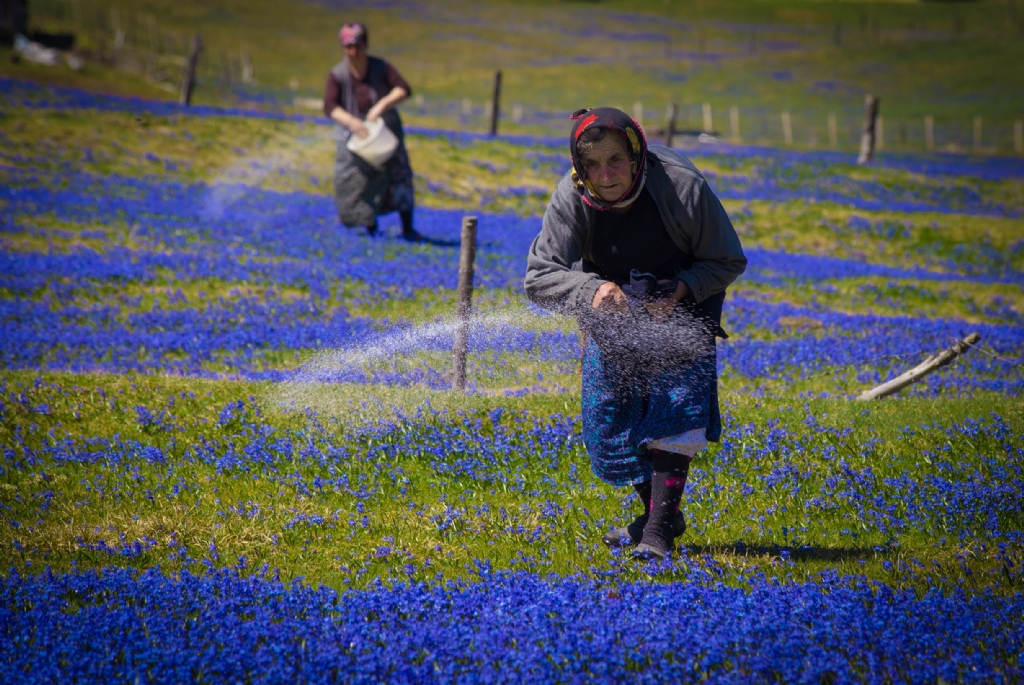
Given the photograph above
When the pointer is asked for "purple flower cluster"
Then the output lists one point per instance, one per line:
(772, 267)
(879, 347)
(786, 170)
(509, 627)
(240, 234)
(979, 500)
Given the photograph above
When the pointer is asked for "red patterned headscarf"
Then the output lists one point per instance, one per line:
(636, 147)
(352, 33)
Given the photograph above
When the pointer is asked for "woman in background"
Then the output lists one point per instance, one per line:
(360, 89)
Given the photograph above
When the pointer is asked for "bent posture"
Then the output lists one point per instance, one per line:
(638, 248)
(361, 89)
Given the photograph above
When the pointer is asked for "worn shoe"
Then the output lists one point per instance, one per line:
(413, 236)
(649, 552)
(630, 535)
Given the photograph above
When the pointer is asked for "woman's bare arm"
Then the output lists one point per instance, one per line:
(389, 101)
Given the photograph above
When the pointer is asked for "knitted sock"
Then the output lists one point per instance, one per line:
(643, 491)
(670, 471)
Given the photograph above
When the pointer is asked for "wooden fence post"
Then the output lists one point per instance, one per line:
(708, 122)
(189, 77)
(638, 113)
(115, 25)
(670, 123)
(958, 24)
(929, 133)
(734, 124)
(787, 128)
(495, 103)
(867, 136)
(225, 74)
(247, 70)
(154, 41)
(465, 302)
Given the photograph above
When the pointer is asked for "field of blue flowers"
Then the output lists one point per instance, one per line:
(230, 452)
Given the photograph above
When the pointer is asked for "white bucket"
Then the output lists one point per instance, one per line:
(377, 147)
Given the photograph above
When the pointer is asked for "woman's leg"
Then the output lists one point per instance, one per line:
(667, 484)
(408, 232)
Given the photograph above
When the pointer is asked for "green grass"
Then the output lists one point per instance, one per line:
(405, 500)
(930, 239)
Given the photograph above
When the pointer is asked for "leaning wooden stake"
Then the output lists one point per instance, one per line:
(496, 103)
(466, 258)
(936, 361)
(189, 77)
(867, 136)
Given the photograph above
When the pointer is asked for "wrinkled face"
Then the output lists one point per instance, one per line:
(356, 50)
(608, 169)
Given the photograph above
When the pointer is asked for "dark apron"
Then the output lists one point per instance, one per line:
(361, 191)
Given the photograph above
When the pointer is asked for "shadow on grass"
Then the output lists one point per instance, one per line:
(802, 553)
(435, 242)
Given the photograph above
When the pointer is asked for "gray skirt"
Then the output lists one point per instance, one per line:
(363, 192)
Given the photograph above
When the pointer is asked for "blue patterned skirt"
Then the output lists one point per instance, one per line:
(625, 407)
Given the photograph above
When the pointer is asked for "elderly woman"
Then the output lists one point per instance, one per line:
(360, 89)
(638, 248)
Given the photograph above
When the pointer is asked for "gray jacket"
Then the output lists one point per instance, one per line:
(694, 217)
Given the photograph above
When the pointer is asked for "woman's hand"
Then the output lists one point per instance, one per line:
(375, 112)
(358, 128)
(609, 298)
(389, 101)
(660, 310)
(354, 124)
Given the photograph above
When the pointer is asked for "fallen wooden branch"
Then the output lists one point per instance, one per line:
(936, 361)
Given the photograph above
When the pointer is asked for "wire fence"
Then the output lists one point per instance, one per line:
(139, 43)
(838, 129)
